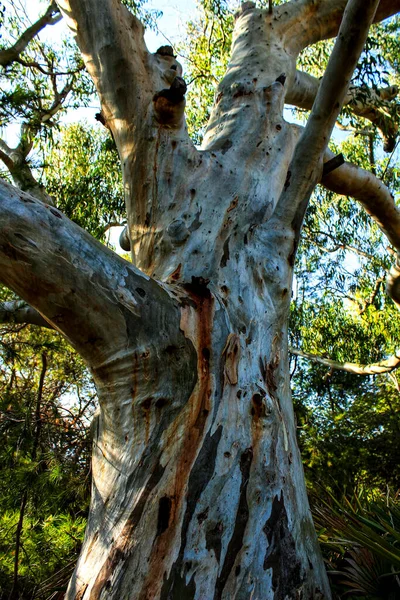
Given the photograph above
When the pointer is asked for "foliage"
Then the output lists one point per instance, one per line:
(45, 454)
(361, 540)
(348, 426)
(83, 174)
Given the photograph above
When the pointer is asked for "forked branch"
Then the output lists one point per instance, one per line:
(50, 17)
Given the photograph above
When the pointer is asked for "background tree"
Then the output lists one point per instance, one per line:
(217, 430)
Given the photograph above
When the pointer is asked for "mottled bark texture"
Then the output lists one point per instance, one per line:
(198, 488)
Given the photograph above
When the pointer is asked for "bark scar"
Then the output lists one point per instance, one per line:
(232, 357)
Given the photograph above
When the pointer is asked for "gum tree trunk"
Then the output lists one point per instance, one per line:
(198, 488)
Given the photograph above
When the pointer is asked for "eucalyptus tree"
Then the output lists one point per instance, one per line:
(198, 489)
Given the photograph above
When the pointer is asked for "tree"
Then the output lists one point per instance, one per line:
(198, 489)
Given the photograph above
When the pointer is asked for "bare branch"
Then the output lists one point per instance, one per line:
(306, 22)
(337, 246)
(384, 366)
(306, 165)
(371, 192)
(363, 102)
(20, 312)
(16, 162)
(376, 198)
(50, 17)
(32, 64)
(115, 54)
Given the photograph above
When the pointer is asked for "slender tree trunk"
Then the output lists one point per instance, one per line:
(14, 594)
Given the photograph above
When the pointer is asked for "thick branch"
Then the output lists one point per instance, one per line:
(384, 366)
(50, 17)
(115, 55)
(100, 302)
(378, 201)
(363, 102)
(371, 192)
(306, 22)
(19, 312)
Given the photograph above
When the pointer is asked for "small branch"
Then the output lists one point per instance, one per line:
(38, 419)
(385, 366)
(15, 159)
(50, 17)
(370, 300)
(35, 65)
(332, 164)
(6, 160)
(14, 595)
(337, 246)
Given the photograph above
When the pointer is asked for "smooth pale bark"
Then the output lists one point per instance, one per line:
(198, 488)
(378, 202)
(384, 366)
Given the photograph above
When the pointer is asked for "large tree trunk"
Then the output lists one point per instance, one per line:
(198, 488)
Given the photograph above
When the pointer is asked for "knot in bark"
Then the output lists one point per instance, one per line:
(169, 104)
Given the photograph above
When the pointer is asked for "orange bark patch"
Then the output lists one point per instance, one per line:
(232, 357)
(196, 323)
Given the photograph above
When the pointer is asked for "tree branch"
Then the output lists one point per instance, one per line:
(363, 102)
(50, 17)
(15, 159)
(384, 366)
(130, 81)
(378, 201)
(371, 192)
(306, 165)
(115, 55)
(18, 311)
(100, 302)
(306, 22)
